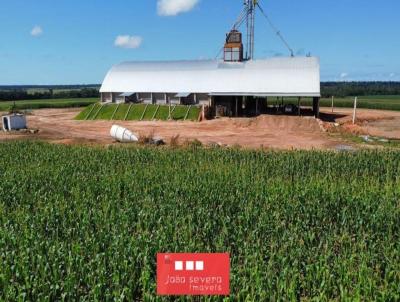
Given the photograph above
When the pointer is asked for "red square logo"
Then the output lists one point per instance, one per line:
(193, 274)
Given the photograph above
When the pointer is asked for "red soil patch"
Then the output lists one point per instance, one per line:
(269, 131)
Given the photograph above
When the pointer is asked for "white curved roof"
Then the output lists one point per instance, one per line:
(270, 77)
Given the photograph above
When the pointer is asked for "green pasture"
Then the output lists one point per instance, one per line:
(138, 112)
(47, 103)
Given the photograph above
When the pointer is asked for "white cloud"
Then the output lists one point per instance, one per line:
(126, 41)
(175, 7)
(392, 75)
(36, 31)
(343, 75)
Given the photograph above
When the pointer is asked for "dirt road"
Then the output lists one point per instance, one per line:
(270, 131)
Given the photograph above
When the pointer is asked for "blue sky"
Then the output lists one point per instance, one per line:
(77, 41)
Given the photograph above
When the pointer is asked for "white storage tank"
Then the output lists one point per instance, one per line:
(122, 134)
(14, 122)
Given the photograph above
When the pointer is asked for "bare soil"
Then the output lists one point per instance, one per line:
(269, 131)
(380, 123)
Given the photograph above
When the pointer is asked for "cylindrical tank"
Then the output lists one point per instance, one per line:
(122, 134)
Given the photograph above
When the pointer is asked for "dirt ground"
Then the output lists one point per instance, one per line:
(379, 123)
(270, 131)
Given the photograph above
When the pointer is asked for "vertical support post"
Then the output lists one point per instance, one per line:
(333, 98)
(195, 98)
(316, 107)
(167, 101)
(213, 105)
(299, 106)
(257, 106)
(236, 107)
(355, 110)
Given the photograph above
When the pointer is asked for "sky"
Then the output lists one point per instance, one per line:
(78, 41)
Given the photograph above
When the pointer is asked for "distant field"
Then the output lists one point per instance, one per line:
(389, 102)
(48, 103)
(138, 112)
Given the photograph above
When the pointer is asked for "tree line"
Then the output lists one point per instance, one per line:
(344, 89)
(24, 94)
(328, 89)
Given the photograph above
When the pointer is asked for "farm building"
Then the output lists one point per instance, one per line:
(233, 86)
(226, 87)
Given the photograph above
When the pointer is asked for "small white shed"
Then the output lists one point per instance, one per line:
(14, 122)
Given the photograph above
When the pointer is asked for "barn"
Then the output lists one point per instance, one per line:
(231, 88)
(236, 85)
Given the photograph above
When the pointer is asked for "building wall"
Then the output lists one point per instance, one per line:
(116, 98)
(106, 97)
(145, 98)
(112, 97)
(173, 100)
(159, 98)
(203, 99)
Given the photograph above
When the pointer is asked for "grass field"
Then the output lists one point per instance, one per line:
(299, 225)
(47, 103)
(136, 112)
(391, 102)
(368, 102)
(106, 112)
(121, 112)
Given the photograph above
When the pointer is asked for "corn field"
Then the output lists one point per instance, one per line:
(85, 223)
